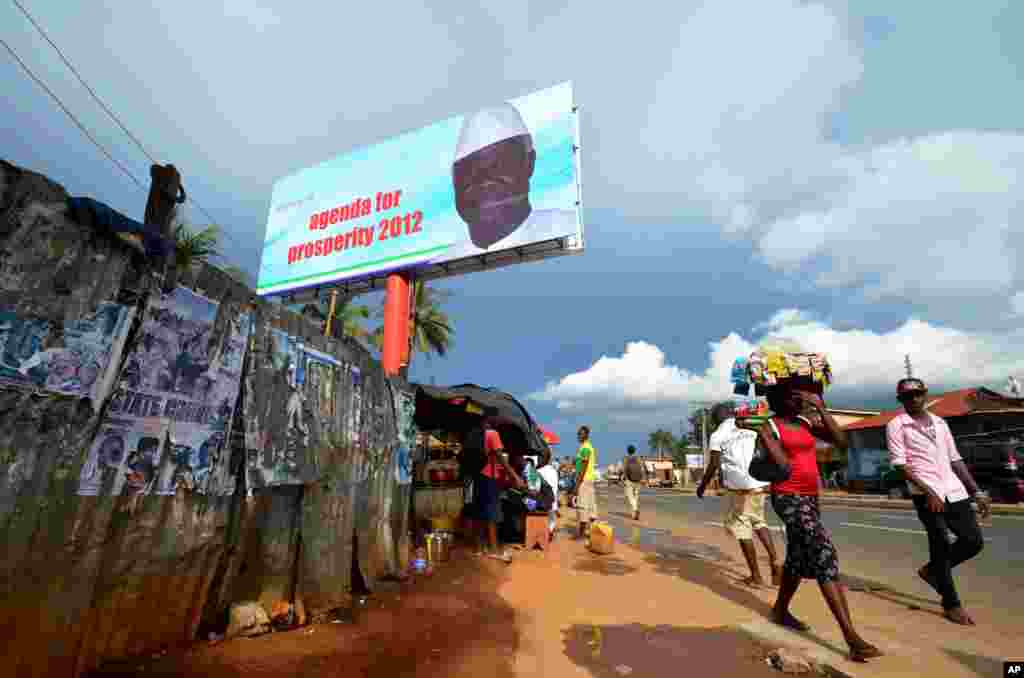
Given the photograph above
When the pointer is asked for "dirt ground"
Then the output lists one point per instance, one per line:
(666, 602)
(562, 612)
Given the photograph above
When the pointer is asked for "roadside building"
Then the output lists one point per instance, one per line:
(978, 417)
(834, 463)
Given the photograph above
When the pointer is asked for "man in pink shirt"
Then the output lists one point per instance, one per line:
(942, 487)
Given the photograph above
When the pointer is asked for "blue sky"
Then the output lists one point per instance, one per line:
(848, 175)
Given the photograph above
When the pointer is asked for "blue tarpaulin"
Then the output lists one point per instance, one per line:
(103, 217)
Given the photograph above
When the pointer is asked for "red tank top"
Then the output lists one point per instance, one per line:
(801, 448)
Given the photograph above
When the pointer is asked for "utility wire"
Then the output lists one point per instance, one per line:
(71, 115)
(84, 83)
(109, 112)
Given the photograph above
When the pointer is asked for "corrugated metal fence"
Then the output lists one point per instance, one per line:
(89, 579)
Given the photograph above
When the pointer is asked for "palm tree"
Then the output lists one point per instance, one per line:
(238, 274)
(351, 317)
(430, 330)
(347, 315)
(660, 440)
(194, 247)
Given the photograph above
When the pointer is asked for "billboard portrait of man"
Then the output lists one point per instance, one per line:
(494, 162)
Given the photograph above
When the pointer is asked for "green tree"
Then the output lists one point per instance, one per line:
(679, 451)
(192, 247)
(239, 274)
(430, 329)
(349, 317)
(697, 419)
(661, 441)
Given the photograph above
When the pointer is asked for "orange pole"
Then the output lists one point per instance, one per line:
(407, 347)
(396, 322)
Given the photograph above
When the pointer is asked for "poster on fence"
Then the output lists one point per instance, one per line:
(278, 420)
(167, 423)
(85, 362)
(318, 373)
(405, 410)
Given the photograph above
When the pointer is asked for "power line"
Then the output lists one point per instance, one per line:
(84, 83)
(71, 115)
(103, 105)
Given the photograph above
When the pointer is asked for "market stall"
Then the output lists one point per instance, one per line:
(445, 416)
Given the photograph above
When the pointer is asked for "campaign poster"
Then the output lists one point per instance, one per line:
(319, 375)
(167, 423)
(83, 364)
(405, 410)
(282, 421)
(497, 179)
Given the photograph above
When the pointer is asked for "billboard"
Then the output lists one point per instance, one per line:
(502, 179)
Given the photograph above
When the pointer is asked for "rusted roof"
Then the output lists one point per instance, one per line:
(959, 403)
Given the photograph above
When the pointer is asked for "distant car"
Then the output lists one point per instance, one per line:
(998, 468)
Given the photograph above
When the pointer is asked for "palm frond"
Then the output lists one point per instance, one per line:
(194, 247)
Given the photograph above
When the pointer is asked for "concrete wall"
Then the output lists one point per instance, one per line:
(85, 580)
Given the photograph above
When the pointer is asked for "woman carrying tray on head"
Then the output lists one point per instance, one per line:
(790, 439)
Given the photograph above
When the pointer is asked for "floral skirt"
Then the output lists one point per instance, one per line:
(810, 553)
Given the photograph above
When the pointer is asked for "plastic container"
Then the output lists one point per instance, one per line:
(420, 561)
(602, 538)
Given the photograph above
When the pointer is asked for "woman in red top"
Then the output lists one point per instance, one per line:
(800, 419)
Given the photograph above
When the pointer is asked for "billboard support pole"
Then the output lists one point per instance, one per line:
(330, 313)
(396, 322)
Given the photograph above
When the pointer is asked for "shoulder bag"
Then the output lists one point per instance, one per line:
(763, 467)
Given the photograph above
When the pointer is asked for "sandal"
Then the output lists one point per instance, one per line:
(862, 653)
(790, 622)
(959, 616)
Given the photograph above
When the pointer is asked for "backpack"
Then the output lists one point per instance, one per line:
(634, 470)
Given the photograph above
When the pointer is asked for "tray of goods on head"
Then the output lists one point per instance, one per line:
(765, 368)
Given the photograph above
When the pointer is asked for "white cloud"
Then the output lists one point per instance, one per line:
(930, 216)
(684, 112)
(639, 386)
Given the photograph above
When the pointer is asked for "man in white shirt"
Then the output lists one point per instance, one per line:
(732, 448)
(549, 474)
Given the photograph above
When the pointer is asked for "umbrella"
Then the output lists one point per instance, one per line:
(458, 408)
(550, 437)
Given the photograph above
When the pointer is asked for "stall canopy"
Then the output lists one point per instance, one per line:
(459, 408)
(550, 437)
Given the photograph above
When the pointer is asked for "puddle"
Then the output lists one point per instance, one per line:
(664, 544)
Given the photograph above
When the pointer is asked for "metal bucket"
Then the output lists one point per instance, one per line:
(438, 547)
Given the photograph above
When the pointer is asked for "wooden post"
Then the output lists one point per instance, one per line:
(165, 192)
(330, 313)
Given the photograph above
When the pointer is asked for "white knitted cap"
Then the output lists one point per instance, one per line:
(487, 127)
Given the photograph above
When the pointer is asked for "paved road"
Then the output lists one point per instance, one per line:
(881, 545)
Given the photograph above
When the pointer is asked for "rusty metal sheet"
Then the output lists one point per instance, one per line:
(90, 579)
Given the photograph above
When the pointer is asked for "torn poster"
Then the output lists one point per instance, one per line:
(281, 428)
(84, 364)
(175, 399)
